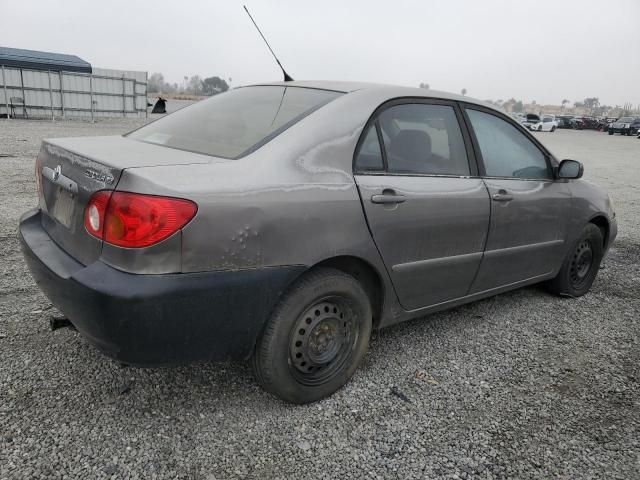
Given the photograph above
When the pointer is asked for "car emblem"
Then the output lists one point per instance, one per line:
(56, 173)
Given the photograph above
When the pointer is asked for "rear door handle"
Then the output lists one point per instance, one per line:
(388, 198)
(502, 196)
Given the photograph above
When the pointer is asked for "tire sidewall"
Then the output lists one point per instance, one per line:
(593, 234)
(280, 379)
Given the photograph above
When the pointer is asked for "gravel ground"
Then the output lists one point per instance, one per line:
(523, 385)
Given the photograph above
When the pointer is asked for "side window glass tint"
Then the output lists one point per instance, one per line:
(506, 152)
(370, 155)
(423, 139)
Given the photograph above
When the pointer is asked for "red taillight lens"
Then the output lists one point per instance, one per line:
(95, 212)
(134, 220)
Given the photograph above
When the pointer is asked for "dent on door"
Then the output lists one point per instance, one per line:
(430, 232)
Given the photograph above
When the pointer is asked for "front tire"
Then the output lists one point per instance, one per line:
(315, 338)
(581, 265)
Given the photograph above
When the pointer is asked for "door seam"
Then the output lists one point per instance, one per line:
(375, 244)
(486, 238)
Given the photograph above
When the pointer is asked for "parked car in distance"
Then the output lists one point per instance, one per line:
(590, 123)
(577, 123)
(625, 126)
(547, 123)
(280, 223)
(564, 121)
(529, 120)
(605, 123)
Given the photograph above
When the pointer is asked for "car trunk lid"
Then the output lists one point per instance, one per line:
(73, 169)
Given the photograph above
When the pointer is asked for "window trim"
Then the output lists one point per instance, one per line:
(548, 157)
(373, 119)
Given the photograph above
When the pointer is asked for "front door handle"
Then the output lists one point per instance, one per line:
(502, 196)
(388, 198)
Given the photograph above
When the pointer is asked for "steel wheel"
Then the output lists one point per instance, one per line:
(315, 338)
(581, 264)
(322, 340)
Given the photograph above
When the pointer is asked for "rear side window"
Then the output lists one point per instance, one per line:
(234, 123)
(370, 155)
(423, 139)
(507, 152)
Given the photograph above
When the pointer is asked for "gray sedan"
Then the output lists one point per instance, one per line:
(282, 222)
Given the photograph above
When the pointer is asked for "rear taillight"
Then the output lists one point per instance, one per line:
(95, 212)
(134, 220)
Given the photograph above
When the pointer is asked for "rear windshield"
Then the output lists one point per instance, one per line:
(234, 123)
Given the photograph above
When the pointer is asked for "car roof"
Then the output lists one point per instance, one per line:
(393, 91)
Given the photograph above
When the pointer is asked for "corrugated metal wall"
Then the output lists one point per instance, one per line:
(105, 93)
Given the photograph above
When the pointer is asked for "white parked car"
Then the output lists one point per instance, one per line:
(529, 119)
(548, 123)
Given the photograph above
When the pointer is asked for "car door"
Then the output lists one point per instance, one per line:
(529, 209)
(427, 209)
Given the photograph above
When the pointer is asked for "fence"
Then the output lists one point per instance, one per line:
(28, 93)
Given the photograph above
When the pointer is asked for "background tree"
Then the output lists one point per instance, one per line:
(463, 91)
(194, 86)
(156, 84)
(564, 102)
(517, 107)
(591, 103)
(424, 85)
(213, 86)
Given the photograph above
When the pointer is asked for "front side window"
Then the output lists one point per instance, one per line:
(507, 152)
(423, 139)
(235, 122)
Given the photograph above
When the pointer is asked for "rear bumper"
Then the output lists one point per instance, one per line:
(153, 320)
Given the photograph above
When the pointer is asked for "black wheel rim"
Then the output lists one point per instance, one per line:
(581, 264)
(322, 340)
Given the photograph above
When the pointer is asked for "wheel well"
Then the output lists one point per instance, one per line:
(366, 275)
(602, 223)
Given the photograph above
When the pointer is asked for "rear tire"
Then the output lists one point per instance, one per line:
(315, 338)
(553, 129)
(581, 264)
(610, 132)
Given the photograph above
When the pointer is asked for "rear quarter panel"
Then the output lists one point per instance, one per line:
(293, 201)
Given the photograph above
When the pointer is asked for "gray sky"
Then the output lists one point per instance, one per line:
(543, 50)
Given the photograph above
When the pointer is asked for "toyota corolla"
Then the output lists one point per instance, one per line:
(281, 223)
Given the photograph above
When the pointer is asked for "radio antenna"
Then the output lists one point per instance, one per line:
(287, 78)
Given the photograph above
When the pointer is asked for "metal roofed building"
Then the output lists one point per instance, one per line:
(37, 84)
(56, 62)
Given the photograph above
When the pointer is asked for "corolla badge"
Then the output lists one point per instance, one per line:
(101, 177)
(55, 174)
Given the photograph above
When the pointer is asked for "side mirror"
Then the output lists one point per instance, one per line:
(570, 169)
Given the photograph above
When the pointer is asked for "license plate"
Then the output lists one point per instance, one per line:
(64, 207)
